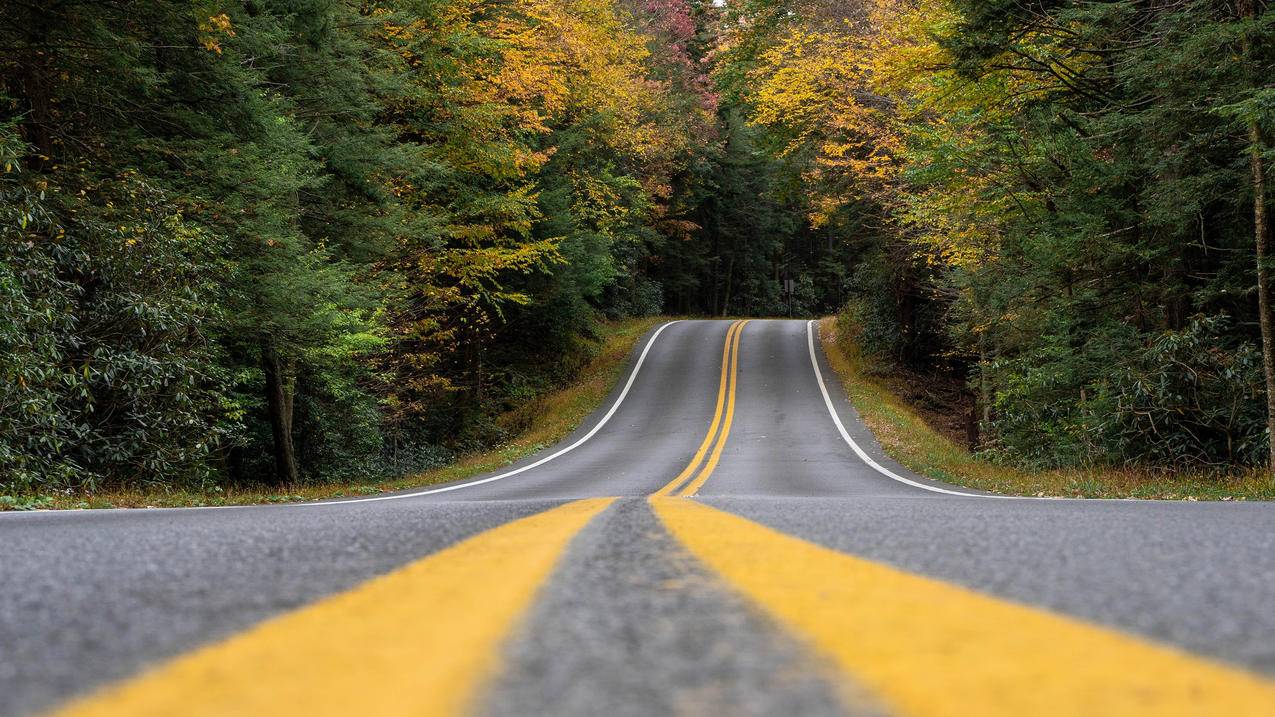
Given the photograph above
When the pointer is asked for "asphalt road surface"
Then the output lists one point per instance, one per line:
(722, 537)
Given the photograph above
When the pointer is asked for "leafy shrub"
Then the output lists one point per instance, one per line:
(338, 421)
(900, 320)
(1037, 417)
(105, 372)
(38, 386)
(1180, 399)
(1194, 397)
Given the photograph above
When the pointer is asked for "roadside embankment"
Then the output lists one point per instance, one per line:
(910, 439)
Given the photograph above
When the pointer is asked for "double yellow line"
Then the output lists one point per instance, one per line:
(420, 641)
(723, 416)
(927, 648)
(389, 630)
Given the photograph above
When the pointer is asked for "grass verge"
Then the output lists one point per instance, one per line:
(907, 438)
(549, 419)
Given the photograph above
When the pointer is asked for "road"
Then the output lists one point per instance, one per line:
(723, 536)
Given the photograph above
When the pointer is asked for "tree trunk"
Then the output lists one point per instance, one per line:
(984, 387)
(1262, 237)
(971, 425)
(715, 282)
(37, 126)
(730, 275)
(279, 403)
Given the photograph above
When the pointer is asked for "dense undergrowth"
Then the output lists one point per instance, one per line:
(902, 429)
(541, 421)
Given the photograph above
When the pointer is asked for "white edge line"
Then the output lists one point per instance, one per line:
(445, 489)
(935, 489)
(313, 504)
(827, 400)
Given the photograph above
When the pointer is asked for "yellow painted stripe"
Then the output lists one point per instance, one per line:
(693, 487)
(717, 418)
(931, 648)
(417, 641)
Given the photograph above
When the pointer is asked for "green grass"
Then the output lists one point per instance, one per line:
(914, 443)
(548, 420)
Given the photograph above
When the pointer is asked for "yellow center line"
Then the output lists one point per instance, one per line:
(693, 487)
(717, 417)
(418, 641)
(929, 648)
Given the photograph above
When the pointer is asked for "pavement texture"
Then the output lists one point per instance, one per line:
(628, 622)
(631, 610)
(88, 598)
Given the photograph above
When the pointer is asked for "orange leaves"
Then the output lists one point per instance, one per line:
(468, 281)
(221, 23)
(212, 27)
(517, 70)
(858, 101)
(814, 88)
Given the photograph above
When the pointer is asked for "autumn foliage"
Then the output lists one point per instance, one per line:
(290, 240)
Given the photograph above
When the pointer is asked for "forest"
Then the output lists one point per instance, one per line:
(288, 241)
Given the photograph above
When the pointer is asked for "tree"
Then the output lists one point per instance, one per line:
(1249, 11)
